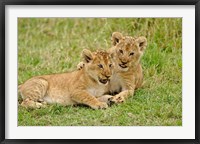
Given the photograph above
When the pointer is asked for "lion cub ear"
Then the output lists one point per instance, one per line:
(142, 42)
(87, 55)
(116, 36)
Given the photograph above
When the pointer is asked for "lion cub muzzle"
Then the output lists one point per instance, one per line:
(123, 65)
(104, 81)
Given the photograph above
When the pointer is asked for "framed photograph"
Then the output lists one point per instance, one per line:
(99, 72)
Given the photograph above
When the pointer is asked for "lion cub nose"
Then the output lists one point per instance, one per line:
(108, 76)
(124, 62)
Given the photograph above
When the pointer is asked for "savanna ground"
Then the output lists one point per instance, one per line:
(53, 45)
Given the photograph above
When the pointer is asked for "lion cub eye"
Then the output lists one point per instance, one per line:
(121, 51)
(100, 66)
(132, 53)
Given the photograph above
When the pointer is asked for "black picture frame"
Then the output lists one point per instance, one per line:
(4, 3)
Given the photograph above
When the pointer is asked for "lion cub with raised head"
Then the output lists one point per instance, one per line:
(78, 87)
(128, 76)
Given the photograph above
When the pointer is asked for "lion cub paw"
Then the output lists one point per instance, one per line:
(116, 99)
(27, 103)
(105, 99)
(100, 105)
(80, 65)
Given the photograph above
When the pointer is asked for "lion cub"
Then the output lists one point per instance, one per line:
(128, 76)
(78, 87)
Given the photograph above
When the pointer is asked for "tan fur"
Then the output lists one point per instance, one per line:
(126, 52)
(128, 76)
(82, 86)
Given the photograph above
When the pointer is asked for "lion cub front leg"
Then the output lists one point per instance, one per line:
(128, 89)
(87, 99)
(121, 97)
(105, 98)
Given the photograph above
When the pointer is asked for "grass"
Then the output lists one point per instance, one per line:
(53, 45)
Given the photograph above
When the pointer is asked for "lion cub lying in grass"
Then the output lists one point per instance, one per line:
(83, 86)
(128, 76)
